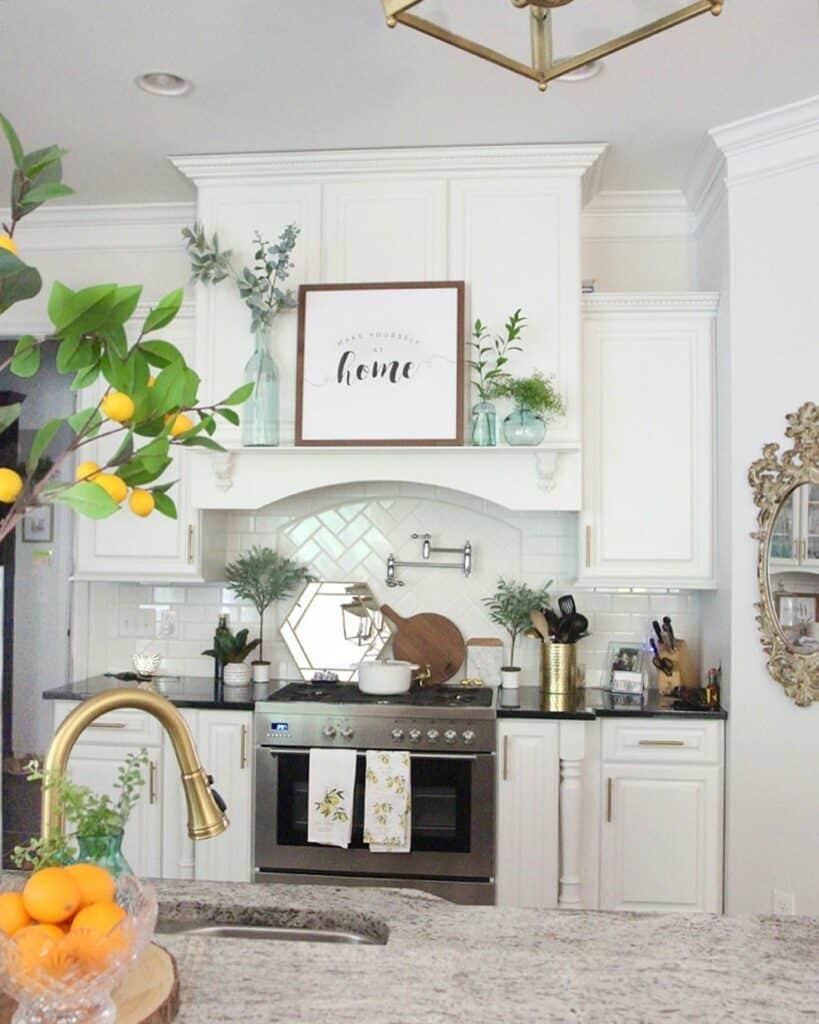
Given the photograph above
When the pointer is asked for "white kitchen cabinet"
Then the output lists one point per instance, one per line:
(648, 487)
(661, 829)
(527, 847)
(224, 740)
(126, 547)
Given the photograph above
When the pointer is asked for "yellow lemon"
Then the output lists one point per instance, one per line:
(141, 502)
(11, 483)
(181, 425)
(114, 485)
(118, 406)
(87, 471)
(8, 243)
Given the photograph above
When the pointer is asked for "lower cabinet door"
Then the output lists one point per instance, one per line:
(527, 846)
(97, 767)
(661, 838)
(224, 740)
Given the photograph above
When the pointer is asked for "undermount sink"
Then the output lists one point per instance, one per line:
(266, 933)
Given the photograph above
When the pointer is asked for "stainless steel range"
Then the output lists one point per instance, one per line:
(450, 735)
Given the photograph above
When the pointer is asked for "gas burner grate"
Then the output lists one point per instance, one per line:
(434, 696)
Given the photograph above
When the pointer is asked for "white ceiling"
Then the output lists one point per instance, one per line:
(295, 74)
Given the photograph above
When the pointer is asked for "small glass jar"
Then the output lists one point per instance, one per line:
(484, 425)
(524, 427)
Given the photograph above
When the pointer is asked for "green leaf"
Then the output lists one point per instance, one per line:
(190, 389)
(125, 302)
(26, 361)
(66, 351)
(18, 281)
(42, 439)
(115, 370)
(135, 474)
(161, 353)
(85, 378)
(116, 339)
(201, 442)
(169, 390)
(89, 500)
(164, 312)
(164, 504)
(13, 141)
(35, 163)
(81, 311)
(86, 422)
(9, 414)
(238, 396)
(230, 415)
(125, 451)
(42, 193)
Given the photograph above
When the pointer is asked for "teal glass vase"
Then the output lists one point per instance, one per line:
(105, 850)
(484, 425)
(260, 413)
(524, 427)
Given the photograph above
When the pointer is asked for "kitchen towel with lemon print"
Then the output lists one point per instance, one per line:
(330, 797)
(388, 801)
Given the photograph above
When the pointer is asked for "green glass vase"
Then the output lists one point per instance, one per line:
(484, 425)
(260, 413)
(524, 427)
(105, 850)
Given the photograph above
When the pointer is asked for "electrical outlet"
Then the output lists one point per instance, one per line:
(783, 902)
(166, 624)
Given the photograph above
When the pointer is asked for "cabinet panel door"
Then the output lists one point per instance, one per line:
(661, 838)
(125, 545)
(96, 767)
(224, 739)
(527, 819)
(648, 450)
(384, 231)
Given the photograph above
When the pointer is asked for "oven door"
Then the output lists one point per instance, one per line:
(453, 819)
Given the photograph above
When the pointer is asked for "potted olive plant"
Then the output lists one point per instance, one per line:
(262, 576)
(232, 650)
(536, 402)
(509, 607)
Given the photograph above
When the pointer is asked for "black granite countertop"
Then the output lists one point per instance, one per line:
(183, 691)
(531, 702)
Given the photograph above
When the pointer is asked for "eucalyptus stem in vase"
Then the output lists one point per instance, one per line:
(260, 288)
(490, 357)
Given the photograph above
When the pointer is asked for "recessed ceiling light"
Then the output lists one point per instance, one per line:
(163, 83)
(583, 74)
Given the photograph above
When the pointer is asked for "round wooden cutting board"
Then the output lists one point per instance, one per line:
(428, 639)
(149, 993)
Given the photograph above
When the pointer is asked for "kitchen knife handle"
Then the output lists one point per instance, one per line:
(609, 799)
(656, 627)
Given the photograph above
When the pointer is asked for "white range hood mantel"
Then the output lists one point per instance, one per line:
(543, 478)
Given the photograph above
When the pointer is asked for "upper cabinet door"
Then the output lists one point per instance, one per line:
(516, 241)
(648, 492)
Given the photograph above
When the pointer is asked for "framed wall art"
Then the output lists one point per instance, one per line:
(38, 525)
(381, 364)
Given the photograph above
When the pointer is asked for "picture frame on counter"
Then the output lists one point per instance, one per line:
(626, 667)
(381, 364)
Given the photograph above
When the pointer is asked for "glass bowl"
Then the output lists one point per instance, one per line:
(72, 980)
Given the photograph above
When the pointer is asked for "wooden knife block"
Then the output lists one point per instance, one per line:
(684, 672)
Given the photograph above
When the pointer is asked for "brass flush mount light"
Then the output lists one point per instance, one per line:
(544, 68)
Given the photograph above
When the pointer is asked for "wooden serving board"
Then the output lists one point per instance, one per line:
(149, 993)
(428, 639)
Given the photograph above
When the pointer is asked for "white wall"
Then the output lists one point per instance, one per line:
(773, 782)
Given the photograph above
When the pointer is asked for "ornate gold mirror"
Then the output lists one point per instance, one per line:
(786, 491)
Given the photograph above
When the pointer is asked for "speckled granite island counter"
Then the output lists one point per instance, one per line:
(483, 965)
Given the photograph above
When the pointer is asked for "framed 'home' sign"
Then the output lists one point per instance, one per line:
(381, 364)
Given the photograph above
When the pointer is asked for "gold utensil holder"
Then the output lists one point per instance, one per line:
(558, 667)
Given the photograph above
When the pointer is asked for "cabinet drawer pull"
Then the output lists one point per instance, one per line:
(107, 725)
(505, 758)
(588, 546)
(609, 798)
(190, 545)
(662, 743)
(152, 782)
(243, 749)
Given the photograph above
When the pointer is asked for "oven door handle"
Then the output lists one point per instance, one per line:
(275, 751)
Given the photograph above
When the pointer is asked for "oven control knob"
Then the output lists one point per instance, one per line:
(347, 733)
(398, 734)
(415, 735)
(432, 735)
(468, 736)
(329, 731)
(450, 736)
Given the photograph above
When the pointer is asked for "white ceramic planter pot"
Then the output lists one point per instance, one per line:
(261, 671)
(237, 675)
(510, 678)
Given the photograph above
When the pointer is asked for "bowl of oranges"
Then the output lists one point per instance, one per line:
(67, 936)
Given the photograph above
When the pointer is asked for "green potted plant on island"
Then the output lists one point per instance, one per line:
(491, 355)
(509, 607)
(536, 401)
(232, 650)
(262, 576)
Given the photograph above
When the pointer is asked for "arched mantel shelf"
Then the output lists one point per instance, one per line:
(544, 478)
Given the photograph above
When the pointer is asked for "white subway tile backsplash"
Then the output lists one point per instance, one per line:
(203, 595)
(169, 595)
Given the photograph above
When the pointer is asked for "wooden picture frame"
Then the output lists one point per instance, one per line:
(356, 382)
(806, 598)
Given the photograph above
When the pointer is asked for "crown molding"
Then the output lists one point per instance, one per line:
(649, 303)
(260, 168)
(637, 215)
(137, 227)
(778, 140)
(705, 183)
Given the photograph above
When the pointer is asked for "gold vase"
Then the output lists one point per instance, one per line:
(558, 670)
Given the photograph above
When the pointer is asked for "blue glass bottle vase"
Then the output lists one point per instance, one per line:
(484, 425)
(105, 850)
(524, 427)
(260, 414)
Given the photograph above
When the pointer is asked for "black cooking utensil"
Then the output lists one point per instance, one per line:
(656, 626)
(566, 605)
(669, 631)
(552, 619)
(664, 665)
(578, 626)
